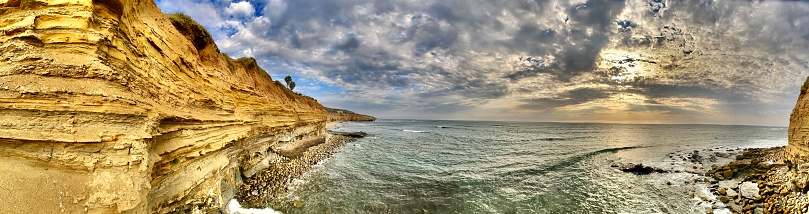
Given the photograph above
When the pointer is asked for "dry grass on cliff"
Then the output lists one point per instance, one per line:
(251, 65)
(192, 30)
(201, 39)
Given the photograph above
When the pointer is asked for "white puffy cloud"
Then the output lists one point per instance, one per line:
(240, 9)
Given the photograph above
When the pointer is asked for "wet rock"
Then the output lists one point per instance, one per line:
(352, 134)
(749, 207)
(732, 193)
(695, 157)
(728, 174)
(704, 198)
(763, 165)
(749, 190)
(724, 199)
(639, 169)
(718, 176)
(736, 208)
(721, 191)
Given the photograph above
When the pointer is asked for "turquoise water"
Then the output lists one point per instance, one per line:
(506, 167)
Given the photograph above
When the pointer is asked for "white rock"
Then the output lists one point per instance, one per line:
(749, 190)
(731, 193)
(722, 211)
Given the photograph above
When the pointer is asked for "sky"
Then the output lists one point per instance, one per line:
(635, 61)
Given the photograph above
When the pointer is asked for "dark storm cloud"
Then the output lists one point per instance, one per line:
(585, 34)
(349, 45)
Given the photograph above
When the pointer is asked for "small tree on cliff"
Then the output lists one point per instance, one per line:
(291, 85)
(288, 79)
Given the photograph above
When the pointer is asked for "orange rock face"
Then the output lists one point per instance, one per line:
(105, 107)
(340, 115)
(798, 148)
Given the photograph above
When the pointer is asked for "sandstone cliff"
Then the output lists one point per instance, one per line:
(798, 148)
(106, 106)
(341, 115)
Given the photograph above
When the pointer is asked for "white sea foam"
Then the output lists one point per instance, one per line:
(414, 131)
(236, 208)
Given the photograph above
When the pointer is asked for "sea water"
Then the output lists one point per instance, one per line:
(411, 166)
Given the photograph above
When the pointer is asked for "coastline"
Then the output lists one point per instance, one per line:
(270, 185)
(333, 124)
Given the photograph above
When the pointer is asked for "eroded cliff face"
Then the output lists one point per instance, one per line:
(341, 115)
(798, 148)
(105, 107)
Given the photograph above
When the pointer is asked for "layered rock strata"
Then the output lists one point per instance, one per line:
(106, 106)
(798, 148)
(341, 115)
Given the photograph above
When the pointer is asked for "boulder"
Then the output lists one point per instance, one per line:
(731, 193)
(736, 208)
(721, 191)
(749, 190)
(640, 169)
(728, 174)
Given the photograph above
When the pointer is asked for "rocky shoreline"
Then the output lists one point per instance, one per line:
(754, 180)
(270, 185)
(765, 181)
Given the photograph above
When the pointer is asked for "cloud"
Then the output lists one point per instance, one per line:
(240, 9)
(507, 59)
(572, 97)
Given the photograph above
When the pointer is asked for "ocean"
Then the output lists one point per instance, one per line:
(412, 166)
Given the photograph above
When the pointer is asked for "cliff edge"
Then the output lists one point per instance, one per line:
(108, 106)
(341, 115)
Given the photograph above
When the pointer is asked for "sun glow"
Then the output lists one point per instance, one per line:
(624, 67)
